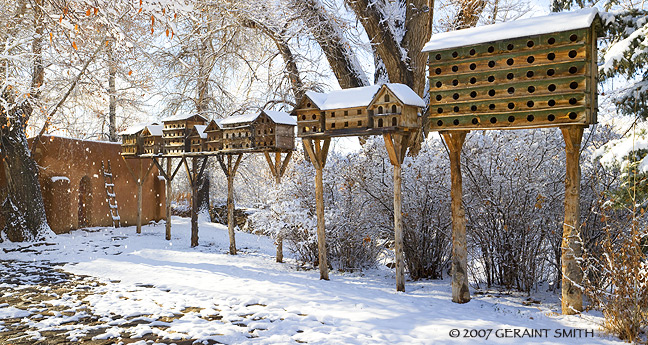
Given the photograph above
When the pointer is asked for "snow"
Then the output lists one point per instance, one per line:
(201, 131)
(251, 299)
(555, 22)
(236, 119)
(60, 178)
(155, 130)
(362, 96)
(12, 312)
(134, 129)
(281, 117)
(178, 117)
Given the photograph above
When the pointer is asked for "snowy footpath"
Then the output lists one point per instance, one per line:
(112, 286)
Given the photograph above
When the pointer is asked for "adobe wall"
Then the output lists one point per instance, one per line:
(79, 159)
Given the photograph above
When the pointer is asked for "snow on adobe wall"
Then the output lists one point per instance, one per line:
(555, 22)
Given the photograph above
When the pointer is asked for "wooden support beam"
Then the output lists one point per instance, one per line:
(167, 198)
(194, 202)
(317, 150)
(571, 249)
(229, 169)
(396, 146)
(460, 290)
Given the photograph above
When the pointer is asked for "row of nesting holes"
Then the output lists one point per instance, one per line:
(510, 76)
(511, 105)
(530, 118)
(511, 90)
(491, 49)
(510, 61)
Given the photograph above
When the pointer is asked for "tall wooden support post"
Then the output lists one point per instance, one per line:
(460, 290)
(277, 169)
(139, 182)
(167, 198)
(317, 151)
(194, 175)
(396, 145)
(572, 250)
(229, 169)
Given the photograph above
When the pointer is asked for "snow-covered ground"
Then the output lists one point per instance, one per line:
(168, 289)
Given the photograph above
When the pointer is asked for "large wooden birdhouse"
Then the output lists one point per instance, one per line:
(152, 139)
(176, 132)
(535, 72)
(214, 133)
(237, 132)
(132, 144)
(358, 111)
(267, 129)
(198, 139)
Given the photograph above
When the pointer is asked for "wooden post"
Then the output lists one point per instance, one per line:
(167, 198)
(460, 290)
(571, 249)
(194, 202)
(317, 154)
(277, 170)
(396, 145)
(139, 198)
(230, 172)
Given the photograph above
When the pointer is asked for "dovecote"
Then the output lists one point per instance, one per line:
(197, 139)
(265, 130)
(176, 132)
(491, 77)
(152, 139)
(132, 144)
(214, 141)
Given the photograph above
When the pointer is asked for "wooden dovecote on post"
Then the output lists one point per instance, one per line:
(214, 136)
(197, 139)
(152, 139)
(176, 132)
(132, 144)
(535, 72)
(265, 130)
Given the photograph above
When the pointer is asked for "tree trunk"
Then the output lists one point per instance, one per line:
(112, 92)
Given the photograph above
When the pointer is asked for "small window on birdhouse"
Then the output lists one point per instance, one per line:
(386, 98)
(394, 109)
(380, 110)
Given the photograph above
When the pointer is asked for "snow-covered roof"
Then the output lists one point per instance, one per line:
(134, 129)
(155, 130)
(178, 117)
(201, 130)
(281, 117)
(555, 22)
(234, 119)
(363, 96)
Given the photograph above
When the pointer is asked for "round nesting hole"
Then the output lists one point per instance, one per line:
(572, 53)
(491, 106)
(491, 49)
(491, 79)
(551, 117)
(509, 47)
(573, 37)
(510, 76)
(572, 115)
(440, 110)
(530, 74)
(573, 69)
(493, 120)
(511, 90)
(530, 59)
(439, 123)
(551, 102)
(438, 97)
(314, 116)
(551, 87)
(473, 94)
(472, 52)
(455, 109)
(455, 82)
(551, 40)
(491, 93)
(531, 89)
(475, 121)
(530, 104)
(455, 54)
(491, 64)
(439, 84)
(303, 117)
(510, 61)
(455, 68)
(551, 72)
(455, 96)
(473, 108)
(573, 85)
(473, 66)
(530, 44)
(551, 56)
(530, 118)
(473, 80)
(437, 71)
(511, 118)
(511, 105)
(572, 101)
(456, 122)
(438, 57)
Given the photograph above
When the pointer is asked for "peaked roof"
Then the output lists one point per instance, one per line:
(555, 22)
(134, 129)
(235, 119)
(155, 129)
(217, 123)
(278, 117)
(200, 129)
(362, 96)
(178, 117)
